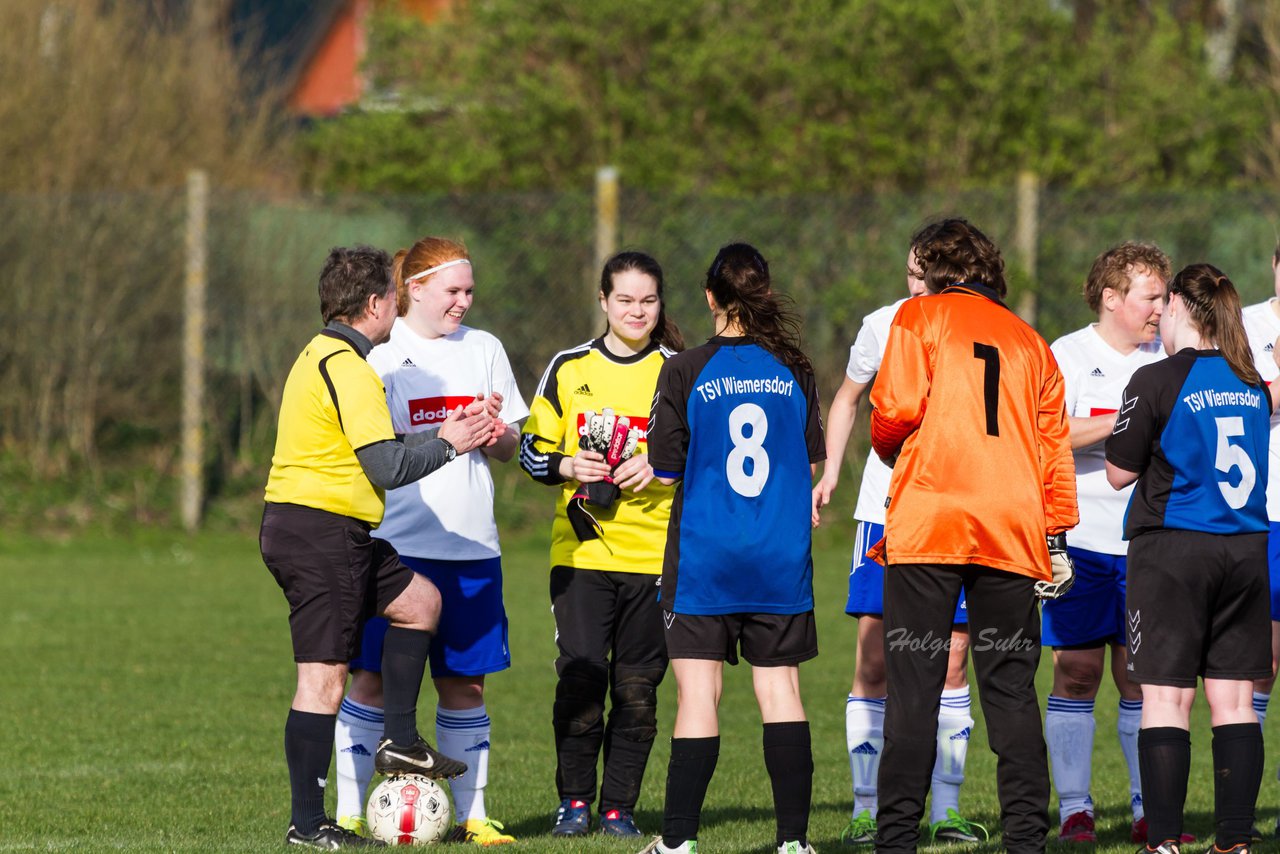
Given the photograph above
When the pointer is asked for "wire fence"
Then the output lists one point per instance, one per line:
(91, 358)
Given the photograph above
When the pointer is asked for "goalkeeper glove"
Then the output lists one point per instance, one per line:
(1064, 572)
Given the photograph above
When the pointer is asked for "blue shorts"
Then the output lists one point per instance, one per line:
(1273, 565)
(1092, 612)
(866, 578)
(472, 637)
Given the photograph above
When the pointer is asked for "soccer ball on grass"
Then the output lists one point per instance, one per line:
(408, 809)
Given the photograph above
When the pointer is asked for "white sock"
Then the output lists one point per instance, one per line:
(864, 735)
(355, 740)
(1260, 706)
(1128, 722)
(464, 735)
(954, 726)
(1068, 728)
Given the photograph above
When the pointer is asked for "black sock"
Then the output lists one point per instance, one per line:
(404, 658)
(308, 749)
(788, 757)
(1164, 761)
(1237, 774)
(693, 761)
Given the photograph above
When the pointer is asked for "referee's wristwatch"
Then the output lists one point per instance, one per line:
(450, 452)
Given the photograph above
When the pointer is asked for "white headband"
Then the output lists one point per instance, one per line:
(435, 269)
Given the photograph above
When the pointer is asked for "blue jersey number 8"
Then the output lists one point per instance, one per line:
(747, 447)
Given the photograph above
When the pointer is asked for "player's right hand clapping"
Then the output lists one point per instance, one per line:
(467, 428)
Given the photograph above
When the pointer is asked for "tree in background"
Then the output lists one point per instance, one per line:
(827, 96)
(105, 111)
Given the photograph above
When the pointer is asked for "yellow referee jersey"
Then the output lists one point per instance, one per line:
(334, 404)
(590, 378)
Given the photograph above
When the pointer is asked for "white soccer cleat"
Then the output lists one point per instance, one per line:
(655, 846)
(794, 847)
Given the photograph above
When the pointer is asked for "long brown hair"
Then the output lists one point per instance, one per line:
(1214, 305)
(738, 280)
(665, 332)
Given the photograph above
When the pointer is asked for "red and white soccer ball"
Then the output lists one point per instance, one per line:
(408, 810)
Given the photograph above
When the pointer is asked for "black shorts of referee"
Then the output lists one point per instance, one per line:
(334, 574)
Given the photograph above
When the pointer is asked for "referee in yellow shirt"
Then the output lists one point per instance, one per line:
(335, 457)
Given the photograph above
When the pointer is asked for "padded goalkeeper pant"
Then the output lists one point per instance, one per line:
(609, 633)
(1004, 639)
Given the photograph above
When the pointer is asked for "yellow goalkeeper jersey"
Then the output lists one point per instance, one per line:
(589, 378)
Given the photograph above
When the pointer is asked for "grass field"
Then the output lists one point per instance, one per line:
(151, 674)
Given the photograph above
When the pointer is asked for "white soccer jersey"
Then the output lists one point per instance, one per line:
(447, 515)
(864, 362)
(1263, 327)
(1095, 376)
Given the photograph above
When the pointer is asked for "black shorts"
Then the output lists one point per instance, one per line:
(1197, 605)
(767, 640)
(334, 574)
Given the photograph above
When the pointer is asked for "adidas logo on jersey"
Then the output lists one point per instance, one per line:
(1097, 372)
(582, 389)
(1269, 348)
(356, 750)
(865, 749)
(408, 363)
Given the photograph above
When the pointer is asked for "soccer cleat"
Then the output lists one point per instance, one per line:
(861, 830)
(1139, 832)
(573, 818)
(417, 758)
(486, 831)
(1078, 828)
(655, 846)
(354, 823)
(957, 828)
(619, 823)
(330, 837)
(1167, 847)
(1242, 848)
(794, 847)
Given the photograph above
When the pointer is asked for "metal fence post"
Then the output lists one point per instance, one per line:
(193, 332)
(1026, 237)
(606, 232)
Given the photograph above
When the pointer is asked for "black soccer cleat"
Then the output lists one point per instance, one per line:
(417, 758)
(330, 837)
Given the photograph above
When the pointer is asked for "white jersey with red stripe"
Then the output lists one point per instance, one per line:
(1095, 375)
(864, 362)
(1262, 325)
(449, 513)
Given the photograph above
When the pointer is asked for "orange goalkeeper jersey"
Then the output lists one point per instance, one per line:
(972, 399)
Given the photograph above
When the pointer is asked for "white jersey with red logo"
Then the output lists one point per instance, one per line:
(447, 515)
(1095, 375)
(1263, 327)
(864, 362)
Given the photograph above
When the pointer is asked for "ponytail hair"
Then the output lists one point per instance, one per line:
(1214, 305)
(665, 332)
(738, 280)
(426, 253)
